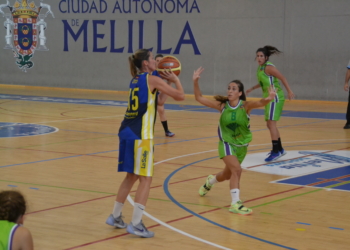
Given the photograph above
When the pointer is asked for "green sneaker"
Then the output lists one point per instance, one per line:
(203, 190)
(239, 208)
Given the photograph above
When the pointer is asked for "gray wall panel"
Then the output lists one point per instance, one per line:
(311, 33)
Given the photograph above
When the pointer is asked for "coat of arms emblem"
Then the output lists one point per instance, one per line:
(25, 30)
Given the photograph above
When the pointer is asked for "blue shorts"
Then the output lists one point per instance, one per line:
(136, 157)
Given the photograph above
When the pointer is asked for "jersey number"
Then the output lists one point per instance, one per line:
(233, 116)
(134, 99)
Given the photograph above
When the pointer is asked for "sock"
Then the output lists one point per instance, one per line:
(117, 209)
(275, 146)
(235, 195)
(138, 212)
(165, 126)
(213, 181)
(280, 144)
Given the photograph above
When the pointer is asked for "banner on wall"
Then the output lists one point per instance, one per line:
(24, 26)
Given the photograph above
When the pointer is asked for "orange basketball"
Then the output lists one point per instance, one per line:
(169, 62)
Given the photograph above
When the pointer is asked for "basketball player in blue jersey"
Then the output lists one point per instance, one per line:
(136, 137)
(160, 108)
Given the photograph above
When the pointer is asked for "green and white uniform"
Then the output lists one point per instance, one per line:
(7, 230)
(234, 131)
(274, 109)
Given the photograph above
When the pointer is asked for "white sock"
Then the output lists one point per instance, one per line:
(235, 195)
(138, 212)
(213, 181)
(117, 209)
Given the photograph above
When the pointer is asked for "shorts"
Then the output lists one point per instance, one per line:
(136, 157)
(273, 110)
(226, 149)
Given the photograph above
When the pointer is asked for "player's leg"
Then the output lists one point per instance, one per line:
(233, 163)
(221, 176)
(347, 125)
(143, 166)
(125, 164)
(273, 113)
(164, 121)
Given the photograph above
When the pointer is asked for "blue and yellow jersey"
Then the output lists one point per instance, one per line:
(155, 73)
(140, 116)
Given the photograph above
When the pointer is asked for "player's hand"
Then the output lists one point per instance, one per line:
(291, 95)
(197, 73)
(169, 76)
(272, 93)
(346, 87)
(248, 91)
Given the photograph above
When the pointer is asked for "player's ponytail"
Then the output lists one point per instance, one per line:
(135, 61)
(12, 206)
(268, 50)
(221, 99)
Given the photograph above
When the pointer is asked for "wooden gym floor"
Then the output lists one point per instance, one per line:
(69, 176)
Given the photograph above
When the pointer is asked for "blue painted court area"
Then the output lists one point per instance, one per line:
(338, 178)
(199, 108)
(9, 129)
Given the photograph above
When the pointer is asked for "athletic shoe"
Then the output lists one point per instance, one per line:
(169, 134)
(283, 152)
(116, 222)
(139, 230)
(203, 190)
(272, 156)
(347, 126)
(239, 208)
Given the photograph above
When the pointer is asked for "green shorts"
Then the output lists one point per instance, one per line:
(273, 110)
(226, 149)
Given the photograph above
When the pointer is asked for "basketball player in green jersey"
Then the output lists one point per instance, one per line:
(13, 236)
(234, 135)
(268, 76)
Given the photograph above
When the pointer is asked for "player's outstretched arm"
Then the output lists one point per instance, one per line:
(249, 105)
(270, 70)
(252, 88)
(198, 94)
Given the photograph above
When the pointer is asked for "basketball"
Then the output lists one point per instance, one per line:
(169, 62)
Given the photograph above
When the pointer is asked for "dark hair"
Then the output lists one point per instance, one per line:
(12, 205)
(268, 50)
(158, 55)
(135, 60)
(224, 99)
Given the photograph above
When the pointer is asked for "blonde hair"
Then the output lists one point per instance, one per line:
(135, 61)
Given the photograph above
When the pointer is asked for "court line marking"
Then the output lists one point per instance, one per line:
(165, 185)
(178, 230)
(153, 187)
(164, 224)
(166, 190)
(171, 227)
(103, 152)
